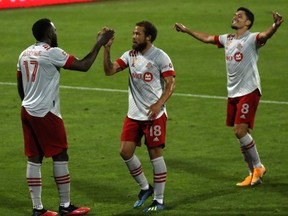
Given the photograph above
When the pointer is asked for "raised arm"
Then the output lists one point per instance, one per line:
(110, 67)
(278, 20)
(84, 64)
(201, 36)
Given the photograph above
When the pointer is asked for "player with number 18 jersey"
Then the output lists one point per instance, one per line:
(146, 80)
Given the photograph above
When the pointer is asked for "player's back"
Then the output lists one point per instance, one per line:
(40, 78)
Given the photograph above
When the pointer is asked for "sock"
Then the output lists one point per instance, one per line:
(248, 160)
(62, 179)
(249, 147)
(135, 168)
(34, 181)
(160, 174)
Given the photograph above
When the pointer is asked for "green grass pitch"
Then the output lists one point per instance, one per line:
(202, 155)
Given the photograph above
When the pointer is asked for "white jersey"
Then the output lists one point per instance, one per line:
(146, 81)
(40, 67)
(241, 62)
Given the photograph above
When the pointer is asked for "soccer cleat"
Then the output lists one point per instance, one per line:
(155, 206)
(43, 212)
(143, 195)
(258, 173)
(73, 210)
(246, 182)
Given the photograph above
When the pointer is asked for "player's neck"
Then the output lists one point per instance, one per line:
(240, 32)
(149, 45)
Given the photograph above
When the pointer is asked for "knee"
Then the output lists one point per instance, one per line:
(239, 132)
(63, 156)
(125, 153)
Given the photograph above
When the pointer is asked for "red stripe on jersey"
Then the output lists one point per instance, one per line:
(168, 73)
(18, 74)
(69, 62)
(121, 63)
(217, 41)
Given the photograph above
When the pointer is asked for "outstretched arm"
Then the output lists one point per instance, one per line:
(84, 64)
(278, 20)
(201, 36)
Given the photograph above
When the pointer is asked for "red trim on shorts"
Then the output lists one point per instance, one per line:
(153, 131)
(243, 109)
(43, 136)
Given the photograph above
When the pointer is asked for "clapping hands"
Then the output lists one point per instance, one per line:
(105, 35)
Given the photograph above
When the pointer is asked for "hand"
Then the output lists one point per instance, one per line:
(154, 110)
(180, 27)
(105, 36)
(278, 19)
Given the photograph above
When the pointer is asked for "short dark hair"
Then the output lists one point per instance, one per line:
(249, 15)
(149, 29)
(40, 28)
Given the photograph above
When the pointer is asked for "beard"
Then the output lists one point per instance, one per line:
(139, 47)
(54, 42)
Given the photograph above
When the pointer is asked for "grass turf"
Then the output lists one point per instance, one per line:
(202, 155)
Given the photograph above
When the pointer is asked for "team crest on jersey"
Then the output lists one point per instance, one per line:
(149, 65)
(239, 46)
(148, 77)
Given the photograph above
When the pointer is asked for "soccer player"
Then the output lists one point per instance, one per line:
(38, 74)
(151, 83)
(243, 81)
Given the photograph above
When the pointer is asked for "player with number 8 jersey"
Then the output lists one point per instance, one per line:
(243, 81)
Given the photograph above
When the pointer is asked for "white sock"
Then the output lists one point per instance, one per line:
(160, 174)
(135, 168)
(34, 181)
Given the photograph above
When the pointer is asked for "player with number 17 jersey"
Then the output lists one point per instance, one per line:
(39, 65)
(146, 81)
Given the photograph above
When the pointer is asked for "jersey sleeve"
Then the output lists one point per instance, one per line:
(60, 58)
(258, 41)
(220, 41)
(123, 61)
(165, 65)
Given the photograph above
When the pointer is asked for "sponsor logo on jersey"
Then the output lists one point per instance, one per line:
(238, 56)
(147, 76)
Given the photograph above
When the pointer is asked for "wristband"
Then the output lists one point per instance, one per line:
(274, 26)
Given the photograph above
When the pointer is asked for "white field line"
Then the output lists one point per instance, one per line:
(174, 94)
